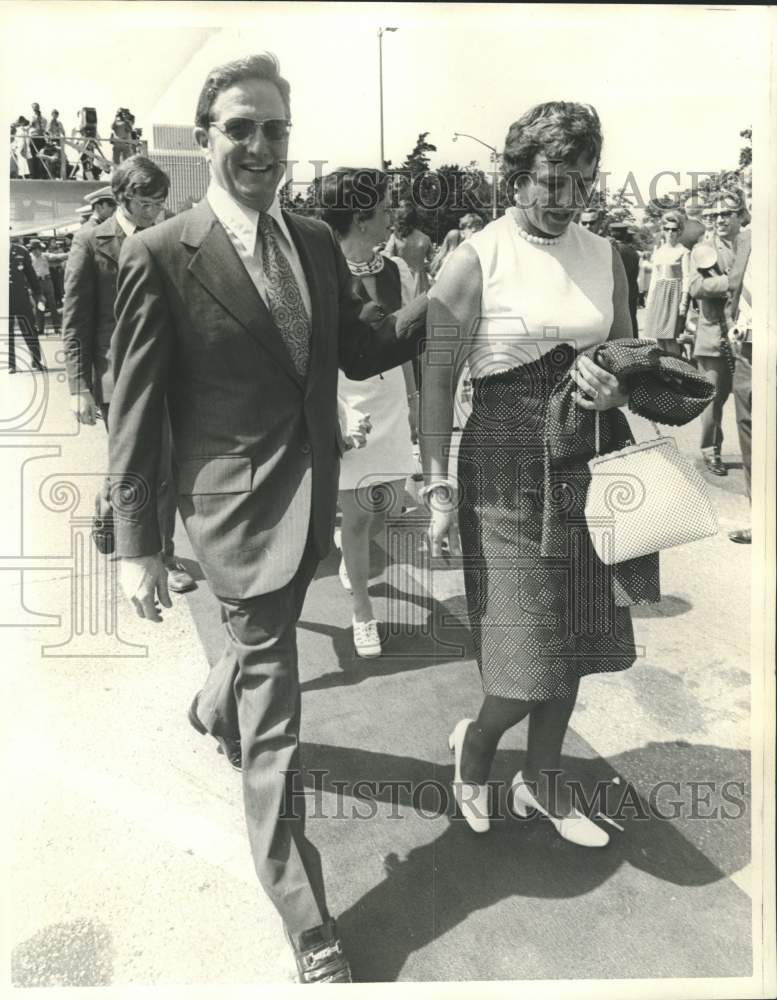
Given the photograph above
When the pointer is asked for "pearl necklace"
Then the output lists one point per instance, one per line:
(546, 241)
(359, 268)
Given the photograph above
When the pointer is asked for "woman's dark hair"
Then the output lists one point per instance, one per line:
(562, 130)
(348, 195)
(406, 215)
(673, 216)
(263, 66)
(138, 176)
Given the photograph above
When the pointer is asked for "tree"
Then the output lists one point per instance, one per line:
(417, 162)
(746, 152)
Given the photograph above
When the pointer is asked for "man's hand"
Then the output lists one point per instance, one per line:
(144, 580)
(600, 389)
(84, 407)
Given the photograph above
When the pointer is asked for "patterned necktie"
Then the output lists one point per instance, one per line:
(284, 297)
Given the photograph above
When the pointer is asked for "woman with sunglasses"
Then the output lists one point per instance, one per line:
(667, 300)
(355, 204)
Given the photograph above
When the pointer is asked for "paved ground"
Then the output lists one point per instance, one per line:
(129, 861)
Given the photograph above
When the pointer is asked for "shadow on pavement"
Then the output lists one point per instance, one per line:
(443, 636)
(439, 884)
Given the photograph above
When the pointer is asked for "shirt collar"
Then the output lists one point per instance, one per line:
(127, 227)
(241, 220)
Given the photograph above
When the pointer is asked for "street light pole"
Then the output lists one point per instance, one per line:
(495, 157)
(380, 89)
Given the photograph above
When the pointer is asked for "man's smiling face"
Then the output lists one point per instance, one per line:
(250, 171)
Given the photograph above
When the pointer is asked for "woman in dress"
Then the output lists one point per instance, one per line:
(354, 203)
(667, 300)
(518, 301)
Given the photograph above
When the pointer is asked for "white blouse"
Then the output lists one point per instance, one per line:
(536, 296)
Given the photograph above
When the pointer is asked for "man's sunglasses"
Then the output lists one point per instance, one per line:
(671, 229)
(720, 215)
(243, 130)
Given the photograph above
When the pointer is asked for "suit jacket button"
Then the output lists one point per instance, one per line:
(305, 449)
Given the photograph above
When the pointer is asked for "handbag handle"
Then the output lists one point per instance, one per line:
(597, 442)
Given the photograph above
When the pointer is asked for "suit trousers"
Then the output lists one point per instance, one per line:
(718, 372)
(166, 500)
(26, 323)
(743, 401)
(47, 291)
(252, 693)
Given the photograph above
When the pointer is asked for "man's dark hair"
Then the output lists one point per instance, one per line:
(263, 66)
(138, 176)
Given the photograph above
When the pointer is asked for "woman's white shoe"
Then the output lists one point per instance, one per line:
(343, 574)
(577, 829)
(366, 640)
(471, 799)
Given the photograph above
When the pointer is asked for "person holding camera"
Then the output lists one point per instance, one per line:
(718, 271)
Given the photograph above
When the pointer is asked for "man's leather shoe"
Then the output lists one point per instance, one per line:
(230, 748)
(178, 580)
(744, 536)
(319, 956)
(715, 465)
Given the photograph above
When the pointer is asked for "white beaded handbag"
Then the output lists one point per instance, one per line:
(645, 498)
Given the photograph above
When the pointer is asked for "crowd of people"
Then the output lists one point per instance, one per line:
(257, 369)
(39, 147)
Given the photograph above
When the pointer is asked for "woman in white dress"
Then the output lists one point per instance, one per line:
(354, 202)
(519, 301)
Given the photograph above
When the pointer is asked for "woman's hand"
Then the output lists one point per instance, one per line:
(443, 530)
(443, 523)
(598, 388)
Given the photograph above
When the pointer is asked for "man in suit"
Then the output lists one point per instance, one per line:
(103, 204)
(742, 383)
(718, 289)
(621, 239)
(239, 315)
(22, 282)
(140, 188)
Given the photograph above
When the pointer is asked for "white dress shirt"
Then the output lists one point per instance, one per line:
(241, 225)
(127, 227)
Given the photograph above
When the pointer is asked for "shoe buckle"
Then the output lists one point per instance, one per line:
(314, 958)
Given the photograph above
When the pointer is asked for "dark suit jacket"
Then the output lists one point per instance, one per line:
(87, 310)
(255, 448)
(22, 280)
(718, 295)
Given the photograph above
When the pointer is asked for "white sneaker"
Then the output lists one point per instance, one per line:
(577, 828)
(366, 640)
(343, 574)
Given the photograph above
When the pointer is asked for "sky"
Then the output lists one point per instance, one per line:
(673, 85)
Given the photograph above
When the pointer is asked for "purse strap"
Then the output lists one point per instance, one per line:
(597, 441)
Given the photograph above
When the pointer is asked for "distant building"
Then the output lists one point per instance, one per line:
(176, 153)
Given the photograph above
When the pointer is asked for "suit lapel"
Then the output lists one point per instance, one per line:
(218, 268)
(110, 237)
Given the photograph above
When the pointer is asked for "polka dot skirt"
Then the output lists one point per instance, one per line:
(539, 623)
